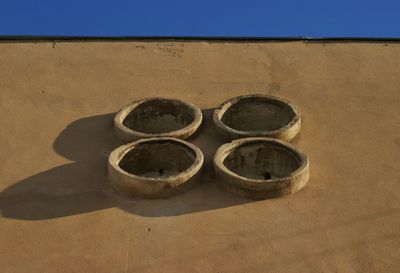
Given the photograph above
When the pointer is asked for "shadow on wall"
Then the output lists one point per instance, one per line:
(82, 186)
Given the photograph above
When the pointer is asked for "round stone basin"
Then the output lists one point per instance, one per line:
(157, 117)
(261, 167)
(155, 167)
(257, 116)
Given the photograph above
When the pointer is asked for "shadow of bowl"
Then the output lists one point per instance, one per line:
(82, 186)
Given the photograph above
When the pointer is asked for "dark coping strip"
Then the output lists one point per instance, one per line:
(39, 38)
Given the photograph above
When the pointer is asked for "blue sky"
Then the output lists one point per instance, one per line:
(380, 18)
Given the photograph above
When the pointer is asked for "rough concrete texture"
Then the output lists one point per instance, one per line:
(157, 117)
(257, 115)
(260, 168)
(57, 104)
(155, 167)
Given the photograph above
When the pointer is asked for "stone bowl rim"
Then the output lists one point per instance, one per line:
(224, 150)
(117, 154)
(223, 107)
(180, 133)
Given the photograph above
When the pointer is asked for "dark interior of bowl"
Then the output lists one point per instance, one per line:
(258, 114)
(159, 116)
(262, 161)
(158, 159)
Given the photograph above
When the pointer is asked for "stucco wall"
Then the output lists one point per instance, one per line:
(59, 215)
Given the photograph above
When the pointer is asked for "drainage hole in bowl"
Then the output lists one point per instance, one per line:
(267, 176)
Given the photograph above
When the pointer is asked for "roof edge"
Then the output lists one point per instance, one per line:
(28, 38)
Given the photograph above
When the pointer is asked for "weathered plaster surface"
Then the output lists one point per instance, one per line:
(57, 105)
